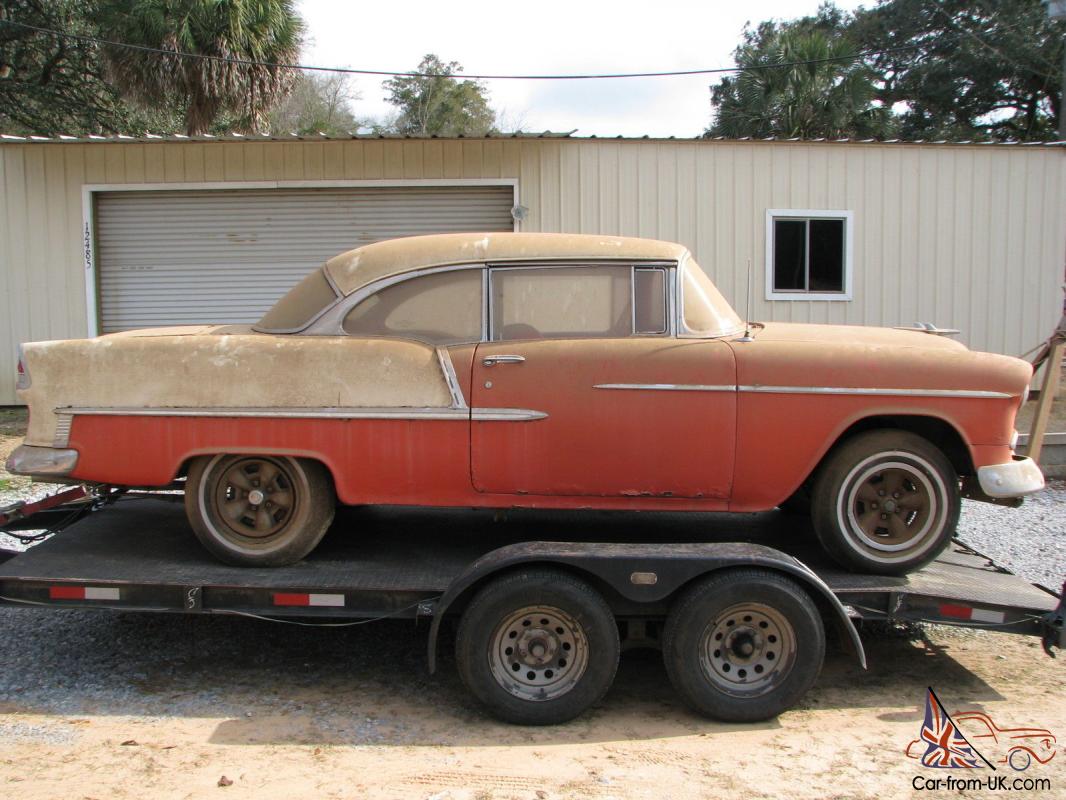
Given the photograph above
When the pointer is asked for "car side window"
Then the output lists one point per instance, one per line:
(649, 297)
(443, 308)
(577, 302)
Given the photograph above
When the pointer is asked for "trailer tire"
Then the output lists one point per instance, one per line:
(537, 647)
(293, 507)
(886, 502)
(743, 645)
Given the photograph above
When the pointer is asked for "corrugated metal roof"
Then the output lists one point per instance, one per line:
(7, 138)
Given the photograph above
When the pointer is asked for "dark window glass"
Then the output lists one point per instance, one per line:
(826, 265)
(789, 257)
(649, 289)
(809, 255)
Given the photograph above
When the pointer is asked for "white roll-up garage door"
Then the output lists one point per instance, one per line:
(186, 257)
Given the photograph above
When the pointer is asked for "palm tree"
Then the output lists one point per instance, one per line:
(825, 94)
(262, 31)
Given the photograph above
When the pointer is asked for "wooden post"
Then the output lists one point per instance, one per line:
(1048, 390)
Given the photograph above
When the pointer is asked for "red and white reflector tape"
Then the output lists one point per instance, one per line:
(298, 599)
(84, 593)
(971, 614)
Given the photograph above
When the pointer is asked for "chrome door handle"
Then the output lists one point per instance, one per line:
(488, 361)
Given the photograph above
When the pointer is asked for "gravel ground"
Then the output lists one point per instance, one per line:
(26, 492)
(1030, 541)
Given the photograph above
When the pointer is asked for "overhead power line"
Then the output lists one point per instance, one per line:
(389, 74)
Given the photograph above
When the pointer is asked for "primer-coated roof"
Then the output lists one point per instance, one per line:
(357, 268)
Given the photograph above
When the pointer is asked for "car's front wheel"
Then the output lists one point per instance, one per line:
(262, 511)
(886, 502)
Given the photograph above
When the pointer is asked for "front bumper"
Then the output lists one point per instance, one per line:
(1016, 478)
(42, 462)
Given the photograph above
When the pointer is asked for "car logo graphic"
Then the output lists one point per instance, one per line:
(951, 742)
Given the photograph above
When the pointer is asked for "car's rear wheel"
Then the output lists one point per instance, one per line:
(886, 502)
(264, 511)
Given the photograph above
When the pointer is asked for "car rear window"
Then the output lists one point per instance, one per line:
(442, 309)
(300, 305)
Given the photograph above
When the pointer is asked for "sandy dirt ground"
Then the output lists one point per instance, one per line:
(292, 722)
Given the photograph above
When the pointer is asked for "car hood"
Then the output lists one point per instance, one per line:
(854, 335)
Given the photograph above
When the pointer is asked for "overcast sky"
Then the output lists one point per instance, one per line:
(551, 36)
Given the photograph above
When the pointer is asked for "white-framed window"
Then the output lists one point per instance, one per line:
(808, 254)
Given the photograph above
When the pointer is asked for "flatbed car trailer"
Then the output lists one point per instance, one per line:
(544, 601)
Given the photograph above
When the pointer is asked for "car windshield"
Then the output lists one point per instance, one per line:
(706, 312)
(300, 305)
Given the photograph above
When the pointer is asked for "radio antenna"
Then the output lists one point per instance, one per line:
(747, 337)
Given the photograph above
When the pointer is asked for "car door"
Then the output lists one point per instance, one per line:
(629, 409)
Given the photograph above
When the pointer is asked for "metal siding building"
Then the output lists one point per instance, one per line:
(966, 236)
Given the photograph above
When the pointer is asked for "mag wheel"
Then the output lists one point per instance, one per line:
(886, 502)
(743, 645)
(259, 510)
(537, 647)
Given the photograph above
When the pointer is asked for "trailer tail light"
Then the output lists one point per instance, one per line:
(84, 593)
(970, 613)
(23, 380)
(300, 599)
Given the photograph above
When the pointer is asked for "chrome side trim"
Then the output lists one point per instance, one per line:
(869, 391)
(842, 390)
(668, 387)
(456, 391)
(62, 435)
(505, 414)
(478, 414)
(41, 461)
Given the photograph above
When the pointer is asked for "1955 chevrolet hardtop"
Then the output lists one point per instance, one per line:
(531, 370)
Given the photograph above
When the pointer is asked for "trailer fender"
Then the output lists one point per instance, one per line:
(643, 573)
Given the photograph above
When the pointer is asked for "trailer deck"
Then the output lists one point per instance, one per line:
(139, 554)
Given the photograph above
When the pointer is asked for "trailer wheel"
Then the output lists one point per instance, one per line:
(537, 647)
(261, 511)
(886, 502)
(743, 645)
